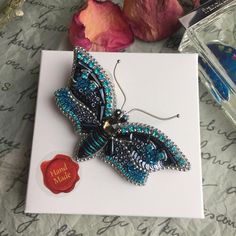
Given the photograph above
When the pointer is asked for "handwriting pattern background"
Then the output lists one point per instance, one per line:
(44, 26)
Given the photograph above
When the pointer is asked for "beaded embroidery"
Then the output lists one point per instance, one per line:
(134, 150)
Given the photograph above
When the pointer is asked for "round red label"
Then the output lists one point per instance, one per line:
(60, 174)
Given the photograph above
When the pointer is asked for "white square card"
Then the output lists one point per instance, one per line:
(162, 84)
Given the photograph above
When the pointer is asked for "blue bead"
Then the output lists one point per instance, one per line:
(107, 90)
(108, 113)
(178, 157)
(84, 76)
(155, 133)
(105, 84)
(161, 156)
(79, 55)
(131, 129)
(108, 98)
(123, 130)
(86, 59)
(101, 77)
(168, 143)
(182, 162)
(139, 129)
(97, 71)
(91, 64)
(146, 130)
(109, 105)
(174, 149)
(162, 137)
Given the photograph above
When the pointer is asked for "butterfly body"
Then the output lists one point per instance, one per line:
(133, 149)
(101, 135)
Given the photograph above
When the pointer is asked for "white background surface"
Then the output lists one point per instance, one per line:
(164, 85)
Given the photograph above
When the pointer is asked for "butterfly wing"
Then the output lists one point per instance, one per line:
(138, 150)
(90, 84)
(226, 55)
(118, 155)
(89, 97)
(222, 90)
(82, 118)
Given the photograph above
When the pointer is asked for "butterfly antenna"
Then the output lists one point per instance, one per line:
(114, 75)
(157, 117)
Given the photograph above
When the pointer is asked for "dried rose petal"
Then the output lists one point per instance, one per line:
(196, 3)
(189, 5)
(100, 26)
(153, 20)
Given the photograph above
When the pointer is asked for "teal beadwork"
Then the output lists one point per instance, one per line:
(131, 129)
(101, 77)
(161, 156)
(162, 137)
(86, 60)
(174, 149)
(130, 172)
(79, 55)
(92, 86)
(139, 129)
(97, 71)
(91, 64)
(146, 130)
(107, 90)
(109, 105)
(168, 143)
(84, 76)
(138, 149)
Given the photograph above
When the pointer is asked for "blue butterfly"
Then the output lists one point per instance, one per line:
(220, 90)
(133, 149)
(226, 56)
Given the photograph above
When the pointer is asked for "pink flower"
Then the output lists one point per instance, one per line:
(153, 20)
(189, 5)
(196, 3)
(100, 26)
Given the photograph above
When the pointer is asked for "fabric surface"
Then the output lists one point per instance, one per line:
(44, 26)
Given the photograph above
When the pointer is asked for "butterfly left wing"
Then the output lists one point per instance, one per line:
(82, 118)
(89, 97)
(138, 150)
(90, 84)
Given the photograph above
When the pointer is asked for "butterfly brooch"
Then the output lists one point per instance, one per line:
(132, 149)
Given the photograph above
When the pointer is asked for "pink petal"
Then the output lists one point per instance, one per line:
(153, 20)
(100, 26)
(196, 3)
(189, 5)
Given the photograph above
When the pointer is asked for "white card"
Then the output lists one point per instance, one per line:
(162, 84)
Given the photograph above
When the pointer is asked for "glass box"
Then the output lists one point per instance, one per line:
(211, 32)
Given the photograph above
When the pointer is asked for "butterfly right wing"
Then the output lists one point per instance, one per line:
(138, 150)
(118, 155)
(82, 118)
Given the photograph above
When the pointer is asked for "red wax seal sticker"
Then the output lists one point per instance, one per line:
(60, 174)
